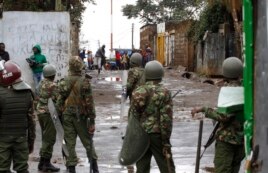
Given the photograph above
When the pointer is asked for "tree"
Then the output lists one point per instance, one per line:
(75, 7)
(157, 11)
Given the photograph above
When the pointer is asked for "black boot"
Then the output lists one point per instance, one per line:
(41, 163)
(47, 166)
(95, 166)
(71, 169)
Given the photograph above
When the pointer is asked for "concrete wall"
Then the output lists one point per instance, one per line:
(211, 55)
(20, 31)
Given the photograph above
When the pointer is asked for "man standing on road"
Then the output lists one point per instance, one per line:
(37, 61)
(75, 103)
(152, 105)
(229, 147)
(3, 54)
(47, 89)
(136, 75)
(17, 124)
(100, 57)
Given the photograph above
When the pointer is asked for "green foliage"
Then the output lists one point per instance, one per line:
(77, 7)
(210, 19)
(157, 11)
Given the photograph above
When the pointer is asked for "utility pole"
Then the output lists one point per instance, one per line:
(132, 36)
(111, 25)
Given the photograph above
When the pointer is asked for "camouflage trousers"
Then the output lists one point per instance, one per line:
(14, 149)
(74, 127)
(48, 132)
(228, 157)
(155, 149)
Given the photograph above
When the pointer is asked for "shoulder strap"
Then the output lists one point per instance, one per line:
(74, 97)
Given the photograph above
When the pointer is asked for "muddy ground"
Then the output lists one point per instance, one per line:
(109, 127)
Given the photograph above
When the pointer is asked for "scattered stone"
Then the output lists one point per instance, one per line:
(114, 127)
(209, 81)
(186, 75)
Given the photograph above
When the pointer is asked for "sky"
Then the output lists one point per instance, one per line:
(96, 27)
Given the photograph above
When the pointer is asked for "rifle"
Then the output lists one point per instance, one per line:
(211, 138)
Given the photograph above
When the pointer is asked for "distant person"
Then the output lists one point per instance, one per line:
(82, 54)
(3, 54)
(124, 61)
(89, 59)
(148, 54)
(37, 61)
(17, 122)
(100, 57)
(118, 59)
(47, 89)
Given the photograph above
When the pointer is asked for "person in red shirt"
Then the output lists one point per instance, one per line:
(118, 59)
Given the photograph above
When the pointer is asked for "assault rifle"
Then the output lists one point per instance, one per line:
(211, 138)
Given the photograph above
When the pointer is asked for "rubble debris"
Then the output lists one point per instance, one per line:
(187, 75)
(209, 81)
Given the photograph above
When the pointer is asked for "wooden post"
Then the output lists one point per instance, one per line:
(197, 163)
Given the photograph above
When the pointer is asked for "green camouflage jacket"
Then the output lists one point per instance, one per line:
(47, 89)
(230, 129)
(135, 78)
(152, 105)
(75, 92)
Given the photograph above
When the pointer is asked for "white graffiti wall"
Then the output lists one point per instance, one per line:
(20, 31)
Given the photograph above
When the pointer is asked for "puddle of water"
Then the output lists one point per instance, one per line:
(115, 117)
(118, 96)
(112, 79)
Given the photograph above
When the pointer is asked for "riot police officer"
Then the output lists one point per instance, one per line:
(47, 89)
(151, 104)
(17, 125)
(75, 103)
(229, 147)
(136, 75)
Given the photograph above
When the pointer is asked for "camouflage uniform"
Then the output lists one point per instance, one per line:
(152, 105)
(47, 89)
(76, 103)
(229, 147)
(135, 79)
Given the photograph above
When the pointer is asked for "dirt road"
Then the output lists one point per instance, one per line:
(109, 128)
